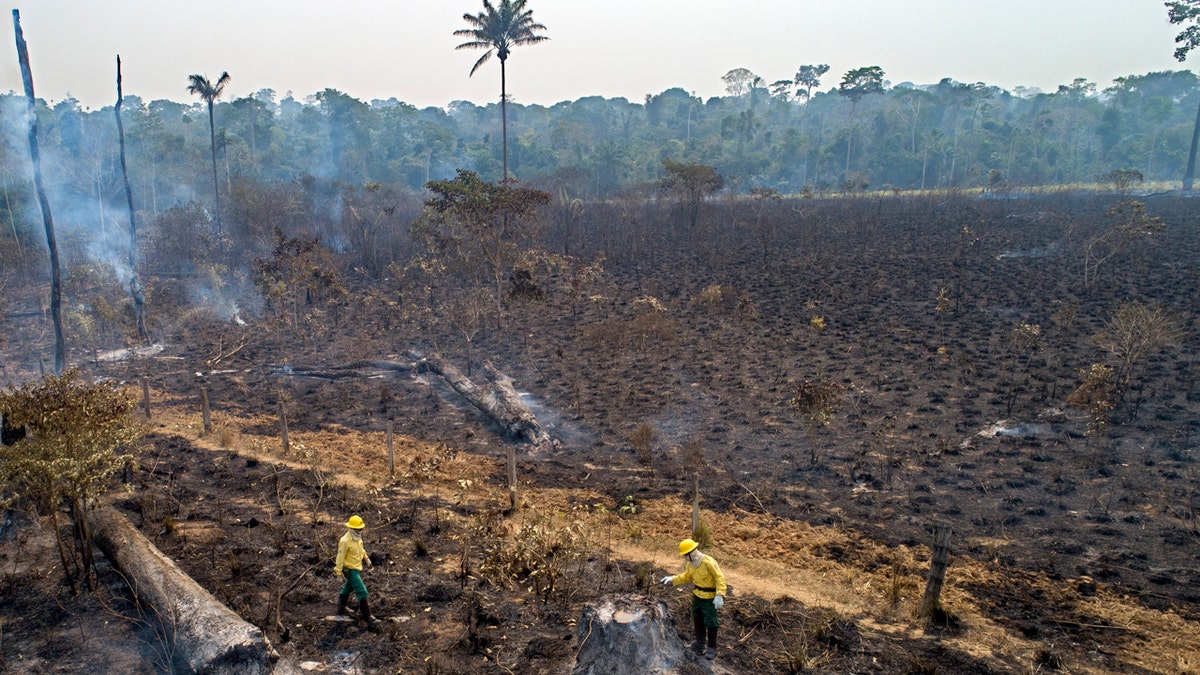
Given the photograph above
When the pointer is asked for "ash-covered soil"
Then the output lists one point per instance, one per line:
(956, 330)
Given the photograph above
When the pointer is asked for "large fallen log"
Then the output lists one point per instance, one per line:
(208, 636)
(357, 370)
(498, 400)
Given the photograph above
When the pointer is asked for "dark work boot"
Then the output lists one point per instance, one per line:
(342, 600)
(712, 644)
(364, 610)
(698, 645)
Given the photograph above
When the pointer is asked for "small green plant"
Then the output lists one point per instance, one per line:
(628, 506)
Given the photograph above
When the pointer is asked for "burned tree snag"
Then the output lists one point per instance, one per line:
(60, 356)
(135, 282)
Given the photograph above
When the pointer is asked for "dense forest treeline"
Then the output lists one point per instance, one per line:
(350, 171)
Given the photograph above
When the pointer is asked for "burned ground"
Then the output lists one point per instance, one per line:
(1072, 550)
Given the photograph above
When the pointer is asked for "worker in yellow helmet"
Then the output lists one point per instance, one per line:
(351, 557)
(708, 594)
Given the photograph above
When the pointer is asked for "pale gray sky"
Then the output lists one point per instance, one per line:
(405, 48)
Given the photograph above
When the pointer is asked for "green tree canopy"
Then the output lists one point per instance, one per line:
(691, 184)
(77, 432)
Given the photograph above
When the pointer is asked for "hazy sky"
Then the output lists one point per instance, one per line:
(405, 48)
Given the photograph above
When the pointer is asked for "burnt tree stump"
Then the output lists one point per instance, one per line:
(625, 634)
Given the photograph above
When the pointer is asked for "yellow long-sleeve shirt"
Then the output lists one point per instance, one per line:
(707, 577)
(350, 554)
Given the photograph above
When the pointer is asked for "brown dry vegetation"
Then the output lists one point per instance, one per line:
(1072, 552)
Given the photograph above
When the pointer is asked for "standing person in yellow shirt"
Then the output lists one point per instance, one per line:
(708, 594)
(351, 557)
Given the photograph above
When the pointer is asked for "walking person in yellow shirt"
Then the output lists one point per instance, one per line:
(351, 557)
(708, 594)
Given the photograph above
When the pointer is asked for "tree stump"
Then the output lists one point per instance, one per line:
(630, 634)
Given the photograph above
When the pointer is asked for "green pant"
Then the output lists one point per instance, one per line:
(355, 583)
(704, 612)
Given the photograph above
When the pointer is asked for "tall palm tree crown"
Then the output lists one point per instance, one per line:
(499, 28)
(210, 92)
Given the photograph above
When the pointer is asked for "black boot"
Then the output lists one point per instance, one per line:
(712, 644)
(698, 626)
(364, 610)
(342, 600)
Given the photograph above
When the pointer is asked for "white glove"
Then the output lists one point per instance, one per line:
(719, 601)
(667, 580)
(368, 563)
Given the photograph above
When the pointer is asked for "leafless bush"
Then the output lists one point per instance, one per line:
(541, 554)
(644, 438)
(1134, 332)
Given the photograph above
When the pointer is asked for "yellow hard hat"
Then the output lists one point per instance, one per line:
(687, 546)
(355, 523)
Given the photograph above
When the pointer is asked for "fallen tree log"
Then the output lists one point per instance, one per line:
(207, 635)
(498, 400)
(349, 370)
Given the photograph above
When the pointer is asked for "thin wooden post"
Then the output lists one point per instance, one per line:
(205, 412)
(283, 430)
(695, 503)
(937, 570)
(391, 453)
(512, 478)
(146, 396)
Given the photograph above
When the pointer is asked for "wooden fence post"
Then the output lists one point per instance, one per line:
(391, 453)
(146, 396)
(283, 431)
(937, 570)
(512, 478)
(205, 412)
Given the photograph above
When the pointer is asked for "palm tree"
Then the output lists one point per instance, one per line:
(210, 92)
(499, 28)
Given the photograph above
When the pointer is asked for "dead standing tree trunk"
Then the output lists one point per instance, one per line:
(135, 282)
(43, 201)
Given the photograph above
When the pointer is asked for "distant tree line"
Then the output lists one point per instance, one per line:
(800, 135)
